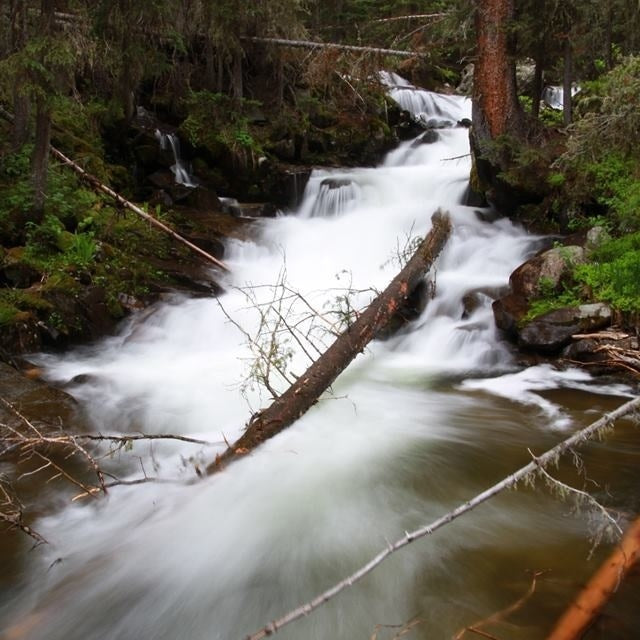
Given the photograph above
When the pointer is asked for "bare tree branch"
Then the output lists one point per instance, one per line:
(549, 457)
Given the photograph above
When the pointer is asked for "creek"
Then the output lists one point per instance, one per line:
(416, 425)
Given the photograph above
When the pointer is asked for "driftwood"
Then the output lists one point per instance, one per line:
(304, 393)
(597, 592)
(528, 471)
(309, 44)
(123, 202)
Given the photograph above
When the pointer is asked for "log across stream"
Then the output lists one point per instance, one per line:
(412, 427)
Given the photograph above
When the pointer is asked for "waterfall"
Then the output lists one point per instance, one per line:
(415, 425)
(181, 174)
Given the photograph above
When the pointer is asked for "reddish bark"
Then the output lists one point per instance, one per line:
(304, 393)
(597, 592)
(496, 108)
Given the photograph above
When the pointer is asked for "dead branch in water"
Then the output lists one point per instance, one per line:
(499, 616)
(305, 391)
(45, 449)
(605, 582)
(528, 471)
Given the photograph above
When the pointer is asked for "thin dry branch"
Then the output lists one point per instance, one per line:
(417, 16)
(308, 44)
(528, 471)
(499, 616)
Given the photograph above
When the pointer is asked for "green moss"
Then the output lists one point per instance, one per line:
(613, 275)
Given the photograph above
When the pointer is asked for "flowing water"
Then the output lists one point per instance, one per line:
(415, 426)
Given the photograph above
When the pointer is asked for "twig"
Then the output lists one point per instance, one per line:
(499, 616)
(582, 495)
(510, 481)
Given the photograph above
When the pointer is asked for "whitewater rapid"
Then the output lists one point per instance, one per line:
(392, 445)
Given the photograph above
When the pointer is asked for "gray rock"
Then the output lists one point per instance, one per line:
(552, 331)
(596, 236)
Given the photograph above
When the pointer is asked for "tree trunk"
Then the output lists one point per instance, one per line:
(304, 393)
(496, 110)
(567, 78)
(21, 105)
(237, 89)
(536, 89)
(40, 157)
(597, 592)
(608, 44)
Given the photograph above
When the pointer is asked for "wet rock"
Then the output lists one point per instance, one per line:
(14, 273)
(508, 312)
(208, 243)
(39, 402)
(437, 123)
(551, 268)
(336, 183)
(203, 198)
(21, 335)
(465, 122)
(552, 331)
(429, 137)
(408, 128)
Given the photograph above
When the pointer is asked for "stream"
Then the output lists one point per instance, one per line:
(416, 425)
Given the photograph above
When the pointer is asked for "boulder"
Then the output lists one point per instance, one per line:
(428, 137)
(549, 269)
(508, 311)
(552, 331)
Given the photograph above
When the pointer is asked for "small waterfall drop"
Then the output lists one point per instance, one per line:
(180, 172)
(400, 439)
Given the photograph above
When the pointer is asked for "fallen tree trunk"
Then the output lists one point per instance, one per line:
(309, 44)
(304, 393)
(123, 202)
(591, 600)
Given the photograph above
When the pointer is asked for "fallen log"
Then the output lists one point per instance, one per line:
(123, 202)
(594, 596)
(304, 393)
(310, 44)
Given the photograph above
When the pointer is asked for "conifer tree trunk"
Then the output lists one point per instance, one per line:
(21, 106)
(496, 110)
(40, 157)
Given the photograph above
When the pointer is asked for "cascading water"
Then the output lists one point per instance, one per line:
(414, 426)
(180, 172)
